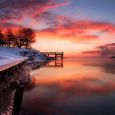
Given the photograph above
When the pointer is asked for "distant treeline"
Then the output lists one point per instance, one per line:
(22, 37)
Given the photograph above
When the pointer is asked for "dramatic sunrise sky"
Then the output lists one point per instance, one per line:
(72, 26)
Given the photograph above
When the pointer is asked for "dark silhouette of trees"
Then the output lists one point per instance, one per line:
(1, 38)
(23, 37)
(29, 37)
(10, 37)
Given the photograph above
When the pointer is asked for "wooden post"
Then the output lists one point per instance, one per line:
(55, 55)
(62, 55)
(18, 100)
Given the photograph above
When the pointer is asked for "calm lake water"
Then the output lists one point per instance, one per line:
(80, 87)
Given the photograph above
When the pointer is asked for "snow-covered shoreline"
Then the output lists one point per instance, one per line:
(13, 55)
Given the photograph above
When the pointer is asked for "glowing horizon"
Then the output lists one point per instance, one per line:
(70, 26)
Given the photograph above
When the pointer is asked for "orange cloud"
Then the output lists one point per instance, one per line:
(93, 53)
(106, 50)
(75, 30)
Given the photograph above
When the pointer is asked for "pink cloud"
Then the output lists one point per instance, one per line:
(106, 50)
(17, 10)
(49, 6)
(78, 30)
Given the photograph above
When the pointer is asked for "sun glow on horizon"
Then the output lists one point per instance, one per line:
(68, 47)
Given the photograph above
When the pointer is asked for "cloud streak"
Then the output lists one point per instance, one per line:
(78, 30)
(17, 10)
(106, 50)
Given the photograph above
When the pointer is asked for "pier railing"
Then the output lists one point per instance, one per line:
(9, 65)
(55, 55)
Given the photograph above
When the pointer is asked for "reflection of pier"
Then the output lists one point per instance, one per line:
(55, 64)
(48, 64)
(55, 55)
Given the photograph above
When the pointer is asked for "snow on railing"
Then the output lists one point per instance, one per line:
(9, 65)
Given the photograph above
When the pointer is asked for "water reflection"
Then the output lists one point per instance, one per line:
(107, 65)
(55, 64)
(75, 89)
(49, 64)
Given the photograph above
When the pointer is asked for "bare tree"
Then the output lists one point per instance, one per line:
(10, 37)
(24, 37)
(1, 38)
(29, 37)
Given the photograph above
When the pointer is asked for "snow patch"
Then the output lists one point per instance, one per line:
(12, 55)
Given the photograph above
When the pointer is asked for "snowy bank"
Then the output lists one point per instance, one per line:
(13, 55)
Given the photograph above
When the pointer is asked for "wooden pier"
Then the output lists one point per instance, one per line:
(55, 55)
(8, 71)
(10, 65)
(11, 90)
